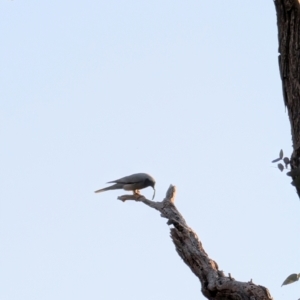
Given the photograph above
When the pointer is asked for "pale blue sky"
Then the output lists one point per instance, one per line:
(188, 91)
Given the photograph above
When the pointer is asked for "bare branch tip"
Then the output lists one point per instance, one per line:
(122, 198)
(171, 193)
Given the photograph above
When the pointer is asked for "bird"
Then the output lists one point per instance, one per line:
(134, 182)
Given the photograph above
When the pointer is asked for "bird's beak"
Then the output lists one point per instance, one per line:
(153, 193)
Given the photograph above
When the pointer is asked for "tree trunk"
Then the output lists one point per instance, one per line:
(215, 285)
(288, 18)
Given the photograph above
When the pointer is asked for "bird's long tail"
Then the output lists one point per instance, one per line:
(112, 187)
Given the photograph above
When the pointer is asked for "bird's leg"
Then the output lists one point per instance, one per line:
(136, 192)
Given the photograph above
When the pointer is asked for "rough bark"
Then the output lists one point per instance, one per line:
(288, 22)
(215, 285)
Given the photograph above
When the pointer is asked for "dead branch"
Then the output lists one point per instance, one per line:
(215, 285)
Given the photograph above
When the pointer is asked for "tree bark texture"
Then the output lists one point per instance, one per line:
(288, 22)
(215, 285)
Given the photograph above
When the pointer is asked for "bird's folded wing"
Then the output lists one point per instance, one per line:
(130, 179)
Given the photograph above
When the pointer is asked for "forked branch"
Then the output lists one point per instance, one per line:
(215, 285)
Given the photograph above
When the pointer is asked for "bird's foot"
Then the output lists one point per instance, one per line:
(137, 195)
(136, 192)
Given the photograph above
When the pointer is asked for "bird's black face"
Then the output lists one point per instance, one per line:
(150, 182)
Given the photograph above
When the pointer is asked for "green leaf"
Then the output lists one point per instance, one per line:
(276, 160)
(280, 167)
(286, 161)
(281, 154)
(290, 279)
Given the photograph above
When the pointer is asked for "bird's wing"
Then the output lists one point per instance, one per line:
(131, 178)
(112, 187)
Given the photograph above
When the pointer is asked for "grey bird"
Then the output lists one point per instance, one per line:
(134, 182)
